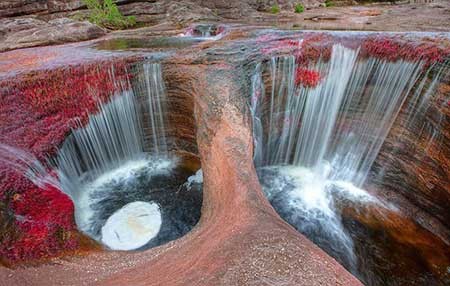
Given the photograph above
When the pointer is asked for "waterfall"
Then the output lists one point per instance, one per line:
(111, 137)
(109, 155)
(27, 164)
(314, 146)
(343, 121)
(150, 86)
(115, 134)
(121, 148)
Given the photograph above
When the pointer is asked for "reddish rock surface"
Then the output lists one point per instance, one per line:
(30, 32)
(240, 240)
(414, 162)
(47, 22)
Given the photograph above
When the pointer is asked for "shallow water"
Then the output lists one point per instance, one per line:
(159, 43)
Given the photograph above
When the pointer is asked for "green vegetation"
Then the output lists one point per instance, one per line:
(275, 9)
(329, 3)
(106, 14)
(299, 8)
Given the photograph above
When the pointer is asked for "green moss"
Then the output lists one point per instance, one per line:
(299, 8)
(329, 3)
(275, 9)
(106, 14)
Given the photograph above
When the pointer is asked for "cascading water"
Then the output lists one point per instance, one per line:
(112, 137)
(205, 31)
(106, 169)
(118, 171)
(115, 135)
(27, 164)
(150, 86)
(315, 146)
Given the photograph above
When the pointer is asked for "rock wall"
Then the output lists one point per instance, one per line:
(415, 158)
(232, 8)
(11, 8)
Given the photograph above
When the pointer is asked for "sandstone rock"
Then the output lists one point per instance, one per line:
(242, 8)
(11, 8)
(63, 5)
(145, 12)
(30, 32)
(184, 12)
(414, 160)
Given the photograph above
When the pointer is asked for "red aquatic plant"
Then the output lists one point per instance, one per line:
(307, 77)
(37, 112)
(392, 49)
(44, 221)
(306, 51)
(281, 46)
(314, 47)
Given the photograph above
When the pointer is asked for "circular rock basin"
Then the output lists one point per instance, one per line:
(141, 204)
(132, 226)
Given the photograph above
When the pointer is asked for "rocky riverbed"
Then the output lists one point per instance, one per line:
(240, 239)
(48, 22)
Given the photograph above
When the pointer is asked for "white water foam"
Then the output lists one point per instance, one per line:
(307, 200)
(121, 176)
(197, 178)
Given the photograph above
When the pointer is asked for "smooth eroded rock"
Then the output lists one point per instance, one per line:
(132, 226)
(30, 32)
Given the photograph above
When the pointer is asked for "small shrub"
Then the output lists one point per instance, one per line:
(106, 14)
(275, 9)
(329, 3)
(299, 8)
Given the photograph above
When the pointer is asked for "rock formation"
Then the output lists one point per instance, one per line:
(240, 239)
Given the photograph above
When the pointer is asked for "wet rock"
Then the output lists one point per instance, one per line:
(414, 160)
(30, 32)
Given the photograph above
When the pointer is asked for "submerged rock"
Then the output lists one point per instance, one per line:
(132, 226)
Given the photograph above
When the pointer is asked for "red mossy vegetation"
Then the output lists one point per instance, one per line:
(37, 112)
(306, 51)
(315, 46)
(306, 77)
(391, 49)
(44, 222)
